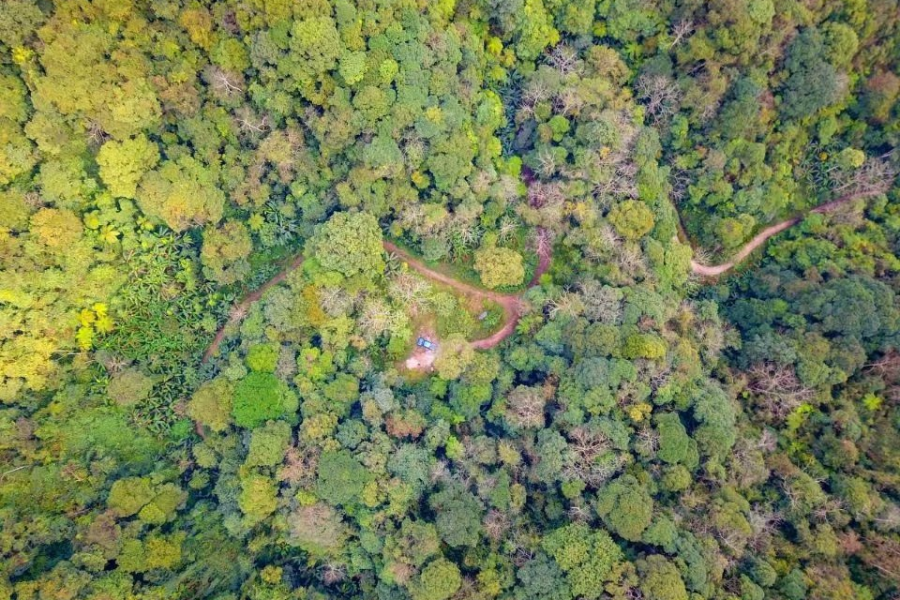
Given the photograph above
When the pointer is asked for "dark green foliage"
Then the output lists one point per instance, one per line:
(341, 478)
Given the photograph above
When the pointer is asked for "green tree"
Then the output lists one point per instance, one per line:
(349, 244)
(182, 193)
(458, 516)
(211, 405)
(588, 557)
(258, 498)
(499, 267)
(341, 478)
(626, 507)
(260, 397)
(812, 83)
(225, 251)
(439, 580)
(660, 579)
(123, 164)
(632, 219)
(268, 444)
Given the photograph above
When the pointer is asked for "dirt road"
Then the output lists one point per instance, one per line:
(760, 238)
(510, 302)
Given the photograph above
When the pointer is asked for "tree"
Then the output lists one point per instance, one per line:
(675, 445)
(812, 83)
(211, 405)
(123, 164)
(260, 397)
(268, 444)
(626, 507)
(258, 498)
(588, 557)
(129, 495)
(182, 193)
(541, 579)
(439, 580)
(225, 250)
(349, 244)
(263, 358)
(317, 529)
(316, 45)
(632, 219)
(341, 478)
(660, 579)
(499, 267)
(454, 356)
(458, 516)
(129, 387)
(525, 407)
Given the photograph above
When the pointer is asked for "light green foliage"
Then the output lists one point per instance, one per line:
(123, 164)
(499, 267)
(182, 194)
(129, 387)
(128, 495)
(632, 219)
(349, 244)
(626, 506)
(352, 67)
(439, 580)
(588, 557)
(675, 446)
(315, 44)
(262, 358)
(259, 397)
(212, 403)
(258, 498)
(454, 355)
(268, 444)
(225, 250)
(660, 579)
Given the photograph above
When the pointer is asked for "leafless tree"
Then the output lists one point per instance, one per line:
(875, 176)
(250, 122)
(224, 83)
(496, 524)
(331, 573)
(602, 303)
(681, 30)
(96, 136)
(660, 94)
(587, 446)
(410, 289)
(778, 389)
(564, 59)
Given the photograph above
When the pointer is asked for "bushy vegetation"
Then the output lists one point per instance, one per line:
(174, 173)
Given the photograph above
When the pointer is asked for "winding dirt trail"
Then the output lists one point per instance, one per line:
(511, 303)
(760, 238)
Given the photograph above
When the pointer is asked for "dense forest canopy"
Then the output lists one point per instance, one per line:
(230, 229)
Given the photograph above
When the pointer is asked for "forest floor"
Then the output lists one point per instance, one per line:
(511, 303)
(760, 238)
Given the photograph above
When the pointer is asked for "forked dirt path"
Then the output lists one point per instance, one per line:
(760, 238)
(511, 303)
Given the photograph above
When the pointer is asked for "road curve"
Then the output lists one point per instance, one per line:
(760, 238)
(510, 302)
